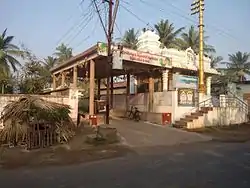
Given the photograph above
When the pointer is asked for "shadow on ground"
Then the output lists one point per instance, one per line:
(76, 151)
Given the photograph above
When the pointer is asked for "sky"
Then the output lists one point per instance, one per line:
(42, 25)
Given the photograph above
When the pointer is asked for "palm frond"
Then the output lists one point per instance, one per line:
(167, 33)
(130, 38)
(239, 65)
(17, 116)
(191, 39)
(4, 66)
(9, 51)
(8, 40)
(215, 61)
(13, 62)
(11, 47)
(4, 33)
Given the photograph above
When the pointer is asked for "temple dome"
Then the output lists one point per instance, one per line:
(148, 41)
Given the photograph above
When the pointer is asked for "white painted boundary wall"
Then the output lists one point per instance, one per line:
(141, 101)
(220, 116)
(163, 102)
(71, 100)
(167, 102)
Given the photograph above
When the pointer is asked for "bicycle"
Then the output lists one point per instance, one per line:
(134, 114)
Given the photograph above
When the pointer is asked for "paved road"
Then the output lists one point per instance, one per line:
(140, 134)
(206, 165)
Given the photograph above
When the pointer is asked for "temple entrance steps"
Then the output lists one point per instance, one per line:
(191, 120)
(228, 110)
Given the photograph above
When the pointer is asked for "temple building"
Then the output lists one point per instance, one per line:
(157, 80)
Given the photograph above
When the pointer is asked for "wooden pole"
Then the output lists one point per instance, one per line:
(91, 87)
(75, 77)
(151, 93)
(63, 78)
(54, 82)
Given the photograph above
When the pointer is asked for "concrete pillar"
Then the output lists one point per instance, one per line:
(151, 93)
(91, 87)
(75, 77)
(208, 85)
(73, 103)
(127, 92)
(54, 82)
(165, 80)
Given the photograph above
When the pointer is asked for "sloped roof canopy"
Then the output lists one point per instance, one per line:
(133, 61)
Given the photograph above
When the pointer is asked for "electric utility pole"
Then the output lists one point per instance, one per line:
(109, 59)
(197, 7)
(109, 34)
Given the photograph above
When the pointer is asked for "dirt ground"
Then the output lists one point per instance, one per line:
(233, 133)
(76, 151)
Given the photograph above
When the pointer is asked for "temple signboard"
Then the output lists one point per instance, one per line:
(184, 81)
(137, 56)
(147, 58)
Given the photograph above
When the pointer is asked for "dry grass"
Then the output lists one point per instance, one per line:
(18, 115)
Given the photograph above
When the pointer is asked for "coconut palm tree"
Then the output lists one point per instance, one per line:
(130, 39)
(50, 62)
(8, 53)
(239, 64)
(63, 53)
(167, 33)
(191, 39)
(215, 60)
(5, 80)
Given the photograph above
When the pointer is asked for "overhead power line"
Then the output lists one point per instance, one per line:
(136, 16)
(85, 23)
(91, 33)
(82, 26)
(221, 30)
(169, 11)
(118, 29)
(100, 18)
(75, 24)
